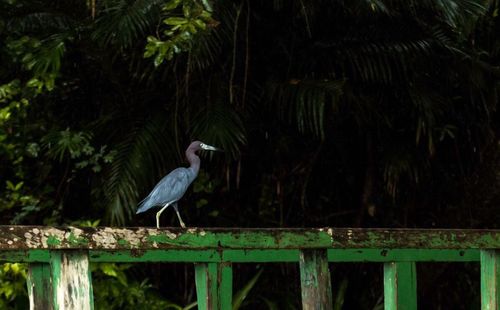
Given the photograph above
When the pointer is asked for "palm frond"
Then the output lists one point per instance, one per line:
(47, 56)
(401, 165)
(33, 17)
(429, 107)
(41, 22)
(219, 124)
(124, 23)
(453, 11)
(305, 102)
(144, 153)
(458, 12)
(205, 50)
(208, 46)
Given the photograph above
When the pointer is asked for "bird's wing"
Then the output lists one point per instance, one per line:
(170, 189)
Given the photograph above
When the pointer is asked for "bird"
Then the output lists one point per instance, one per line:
(173, 186)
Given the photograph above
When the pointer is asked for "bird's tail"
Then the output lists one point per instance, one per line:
(144, 205)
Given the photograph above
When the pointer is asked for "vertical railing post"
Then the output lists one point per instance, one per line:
(400, 286)
(214, 286)
(315, 280)
(490, 278)
(39, 287)
(71, 280)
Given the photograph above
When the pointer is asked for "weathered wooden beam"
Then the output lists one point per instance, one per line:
(490, 280)
(40, 286)
(253, 255)
(315, 280)
(137, 239)
(214, 286)
(400, 286)
(71, 280)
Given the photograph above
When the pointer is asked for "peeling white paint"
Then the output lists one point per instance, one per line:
(109, 237)
(31, 288)
(30, 241)
(171, 235)
(73, 286)
(133, 238)
(145, 233)
(101, 238)
(349, 234)
(51, 232)
(329, 231)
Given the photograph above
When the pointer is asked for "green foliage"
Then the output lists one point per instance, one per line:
(110, 283)
(16, 196)
(183, 20)
(139, 156)
(221, 125)
(307, 103)
(64, 145)
(42, 58)
(242, 294)
(13, 294)
(327, 112)
(340, 294)
(122, 23)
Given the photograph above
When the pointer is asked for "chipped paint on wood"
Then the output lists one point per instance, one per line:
(206, 289)
(39, 286)
(110, 239)
(252, 255)
(315, 280)
(71, 280)
(490, 280)
(400, 286)
(217, 247)
(214, 286)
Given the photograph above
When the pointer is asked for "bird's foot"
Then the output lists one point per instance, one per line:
(183, 225)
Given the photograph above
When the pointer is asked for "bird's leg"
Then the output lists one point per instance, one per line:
(179, 216)
(158, 215)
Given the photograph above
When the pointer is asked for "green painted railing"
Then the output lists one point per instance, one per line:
(59, 276)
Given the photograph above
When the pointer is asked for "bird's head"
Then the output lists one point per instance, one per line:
(198, 145)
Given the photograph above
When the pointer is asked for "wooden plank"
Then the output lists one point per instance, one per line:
(490, 280)
(225, 280)
(400, 286)
(253, 256)
(141, 239)
(214, 282)
(71, 280)
(39, 286)
(315, 280)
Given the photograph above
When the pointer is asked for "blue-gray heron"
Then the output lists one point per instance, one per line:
(173, 186)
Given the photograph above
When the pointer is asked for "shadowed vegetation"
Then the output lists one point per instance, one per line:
(331, 113)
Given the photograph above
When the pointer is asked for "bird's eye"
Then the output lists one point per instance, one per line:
(202, 145)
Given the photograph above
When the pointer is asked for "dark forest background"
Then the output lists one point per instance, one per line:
(359, 113)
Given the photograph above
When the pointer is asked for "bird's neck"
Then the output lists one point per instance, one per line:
(194, 162)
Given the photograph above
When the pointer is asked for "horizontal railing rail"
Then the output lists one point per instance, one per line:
(59, 276)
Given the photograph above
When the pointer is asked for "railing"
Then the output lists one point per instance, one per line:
(59, 276)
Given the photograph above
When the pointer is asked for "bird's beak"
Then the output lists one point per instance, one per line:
(210, 148)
